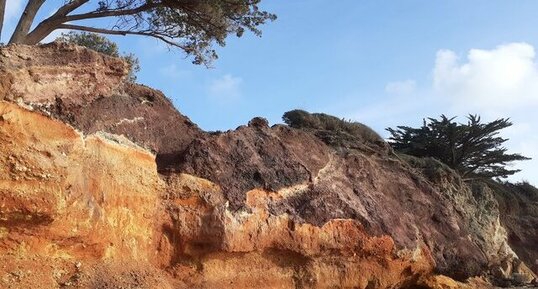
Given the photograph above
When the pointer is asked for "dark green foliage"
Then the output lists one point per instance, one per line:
(103, 45)
(198, 24)
(92, 41)
(320, 121)
(472, 149)
(191, 26)
(524, 188)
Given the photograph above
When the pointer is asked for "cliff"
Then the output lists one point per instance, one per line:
(103, 184)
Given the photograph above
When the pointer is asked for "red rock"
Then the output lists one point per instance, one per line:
(105, 185)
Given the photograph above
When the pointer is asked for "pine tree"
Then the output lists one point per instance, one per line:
(189, 25)
(474, 149)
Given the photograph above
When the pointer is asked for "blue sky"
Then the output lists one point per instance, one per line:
(383, 63)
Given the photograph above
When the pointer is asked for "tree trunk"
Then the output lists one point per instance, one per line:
(2, 13)
(26, 20)
(50, 24)
(40, 32)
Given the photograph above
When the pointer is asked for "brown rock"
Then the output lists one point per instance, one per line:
(519, 215)
(443, 282)
(63, 199)
(102, 205)
(58, 70)
(258, 249)
(260, 206)
(88, 90)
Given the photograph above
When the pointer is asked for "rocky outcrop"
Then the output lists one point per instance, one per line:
(518, 210)
(88, 91)
(70, 73)
(79, 202)
(63, 201)
(103, 184)
(374, 187)
(218, 248)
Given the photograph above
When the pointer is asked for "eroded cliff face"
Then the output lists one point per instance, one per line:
(68, 198)
(103, 184)
(73, 203)
(518, 206)
(88, 91)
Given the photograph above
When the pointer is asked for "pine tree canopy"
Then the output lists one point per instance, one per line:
(474, 149)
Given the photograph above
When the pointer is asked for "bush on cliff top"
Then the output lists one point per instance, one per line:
(525, 188)
(301, 119)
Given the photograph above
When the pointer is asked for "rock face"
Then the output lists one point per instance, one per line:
(88, 91)
(103, 184)
(79, 202)
(63, 202)
(518, 206)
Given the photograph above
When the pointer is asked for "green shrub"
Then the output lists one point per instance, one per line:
(320, 121)
(526, 189)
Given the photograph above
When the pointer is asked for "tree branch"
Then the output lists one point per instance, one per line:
(109, 13)
(121, 32)
(52, 23)
(26, 20)
(48, 25)
(68, 8)
(2, 13)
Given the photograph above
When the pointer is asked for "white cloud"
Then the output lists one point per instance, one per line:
(226, 87)
(401, 87)
(494, 80)
(497, 83)
(501, 82)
